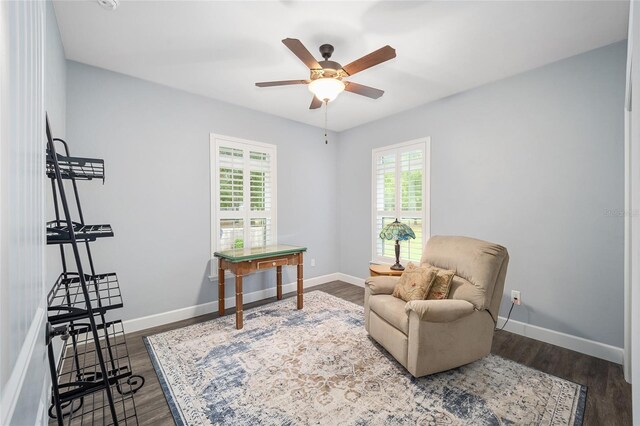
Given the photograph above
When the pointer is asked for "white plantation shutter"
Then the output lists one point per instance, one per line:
(260, 190)
(400, 191)
(244, 198)
(386, 182)
(230, 173)
(260, 180)
(411, 167)
(386, 200)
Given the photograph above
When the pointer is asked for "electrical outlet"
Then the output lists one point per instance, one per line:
(313, 262)
(515, 297)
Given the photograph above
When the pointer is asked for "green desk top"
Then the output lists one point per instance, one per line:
(242, 254)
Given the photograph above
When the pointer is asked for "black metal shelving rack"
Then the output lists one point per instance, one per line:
(92, 383)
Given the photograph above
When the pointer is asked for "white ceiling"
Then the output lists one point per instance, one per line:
(220, 49)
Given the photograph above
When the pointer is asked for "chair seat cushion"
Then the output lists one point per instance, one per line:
(391, 309)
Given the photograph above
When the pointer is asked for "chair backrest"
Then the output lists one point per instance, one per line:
(480, 266)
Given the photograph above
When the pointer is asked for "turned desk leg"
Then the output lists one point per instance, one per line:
(239, 313)
(300, 290)
(220, 289)
(279, 282)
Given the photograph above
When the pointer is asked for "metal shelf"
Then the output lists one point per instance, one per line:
(58, 232)
(93, 409)
(77, 168)
(66, 300)
(92, 383)
(80, 379)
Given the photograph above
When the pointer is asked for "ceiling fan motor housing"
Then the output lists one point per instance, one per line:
(326, 50)
(330, 68)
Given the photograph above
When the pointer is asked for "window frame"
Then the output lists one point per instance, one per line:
(217, 140)
(425, 144)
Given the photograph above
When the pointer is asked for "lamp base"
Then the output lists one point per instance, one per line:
(397, 266)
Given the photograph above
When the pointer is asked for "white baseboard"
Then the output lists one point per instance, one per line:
(578, 344)
(42, 418)
(155, 320)
(350, 279)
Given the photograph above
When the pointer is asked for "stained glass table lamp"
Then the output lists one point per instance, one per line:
(399, 232)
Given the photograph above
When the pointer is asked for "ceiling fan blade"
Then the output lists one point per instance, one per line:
(315, 103)
(302, 53)
(374, 58)
(281, 83)
(361, 89)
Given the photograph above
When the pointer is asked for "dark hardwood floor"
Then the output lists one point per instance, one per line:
(608, 395)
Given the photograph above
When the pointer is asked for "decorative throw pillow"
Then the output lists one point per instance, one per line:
(442, 284)
(414, 283)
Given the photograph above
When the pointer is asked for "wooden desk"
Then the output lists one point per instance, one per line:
(244, 261)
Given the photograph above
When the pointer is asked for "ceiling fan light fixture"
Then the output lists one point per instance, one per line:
(327, 88)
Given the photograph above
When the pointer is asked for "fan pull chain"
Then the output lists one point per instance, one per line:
(326, 107)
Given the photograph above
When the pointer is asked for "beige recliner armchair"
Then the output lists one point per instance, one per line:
(429, 336)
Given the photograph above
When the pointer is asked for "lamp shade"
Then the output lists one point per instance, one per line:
(326, 88)
(397, 231)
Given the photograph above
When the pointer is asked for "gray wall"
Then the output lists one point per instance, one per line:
(55, 104)
(55, 87)
(533, 162)
(22, 278)
(155, 143)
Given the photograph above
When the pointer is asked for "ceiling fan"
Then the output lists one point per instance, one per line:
(326, 79)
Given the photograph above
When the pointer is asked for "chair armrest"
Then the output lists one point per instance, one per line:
(439, 310)
(381, 284)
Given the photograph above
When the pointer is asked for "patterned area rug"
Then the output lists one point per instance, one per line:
(318, 366)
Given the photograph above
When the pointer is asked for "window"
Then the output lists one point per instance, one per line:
(243, 184)
(400, 189)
